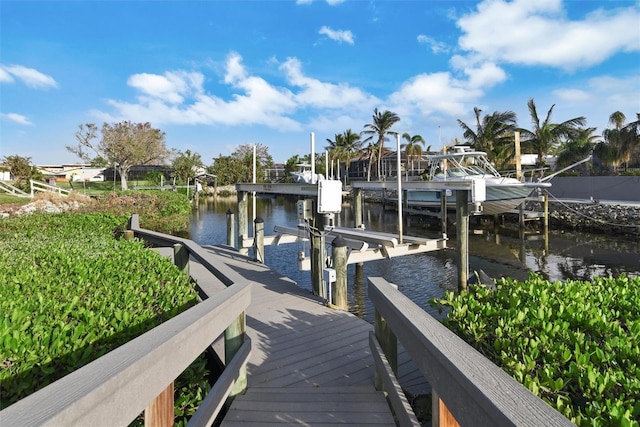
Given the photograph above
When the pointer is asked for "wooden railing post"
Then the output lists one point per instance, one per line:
(181, 258)
(231, 238)
(234, 336)
(160, 413)
(440, 414)
(389, 344)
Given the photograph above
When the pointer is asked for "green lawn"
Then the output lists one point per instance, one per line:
(6, 199)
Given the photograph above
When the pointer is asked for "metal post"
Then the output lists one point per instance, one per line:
(258, 239)
(443, 212)
(398, 164)
(339, 257)
(462, 237)
(231, 238)
(253, 194)
(313, 158)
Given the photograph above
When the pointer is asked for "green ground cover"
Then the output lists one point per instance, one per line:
(71, 290)
(574, 344)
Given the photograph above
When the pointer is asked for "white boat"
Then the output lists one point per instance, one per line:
(303, 174)
(503, 194)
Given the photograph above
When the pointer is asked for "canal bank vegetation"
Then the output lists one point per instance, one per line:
(575, 344)
(73, 291)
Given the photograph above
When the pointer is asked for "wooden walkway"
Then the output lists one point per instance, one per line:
(310, 365)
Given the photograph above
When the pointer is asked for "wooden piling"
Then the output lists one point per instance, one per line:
(318, 256)
(243, 221)
(339, 258)
(358, 222)
(231, 238)
(258, 240)
(462, 237)
(357, 207)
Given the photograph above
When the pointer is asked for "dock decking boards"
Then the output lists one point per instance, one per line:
(310, 365)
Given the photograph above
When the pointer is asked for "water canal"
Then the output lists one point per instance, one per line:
(421, 277)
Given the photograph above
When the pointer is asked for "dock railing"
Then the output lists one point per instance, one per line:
(138, 376)
(468, 389)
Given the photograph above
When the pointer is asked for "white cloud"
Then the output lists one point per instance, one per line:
(171, 87)
(16, 118)
(437, 92)
(436, 46)
(179, 97)
(337, 35)
(320, 94)
(29, 76)
(539, 33)
(5, 77)
(572, 95)
(485, 75)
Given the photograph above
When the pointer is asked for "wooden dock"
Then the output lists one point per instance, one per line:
(289, 360)
(310, 364)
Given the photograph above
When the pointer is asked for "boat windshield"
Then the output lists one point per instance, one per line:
(460, 165)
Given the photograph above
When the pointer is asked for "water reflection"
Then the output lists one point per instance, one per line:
(499, 252)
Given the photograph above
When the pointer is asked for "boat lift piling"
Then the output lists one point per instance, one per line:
(363, 245)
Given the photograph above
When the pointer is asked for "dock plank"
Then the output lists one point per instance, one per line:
(310, 364)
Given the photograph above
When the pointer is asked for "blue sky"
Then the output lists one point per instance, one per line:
(217, 74)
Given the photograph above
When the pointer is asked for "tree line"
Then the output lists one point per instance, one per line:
(126, 144)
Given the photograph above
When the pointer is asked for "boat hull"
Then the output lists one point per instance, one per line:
(499, 199)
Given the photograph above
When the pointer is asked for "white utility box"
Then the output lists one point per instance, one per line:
(329, 275)
(478, 190)
(329, 196)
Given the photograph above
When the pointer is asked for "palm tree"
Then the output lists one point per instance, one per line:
(351, 145)
(380, 128)
(412, 147)
(617, 118)
(344, 146)
(335, 148)
(620, 143)
(493, 134)
(577, 148)
(370, 152)
(546, 136)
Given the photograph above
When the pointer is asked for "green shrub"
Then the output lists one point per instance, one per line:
(70, 292)
(574, 344)
(163, 211)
